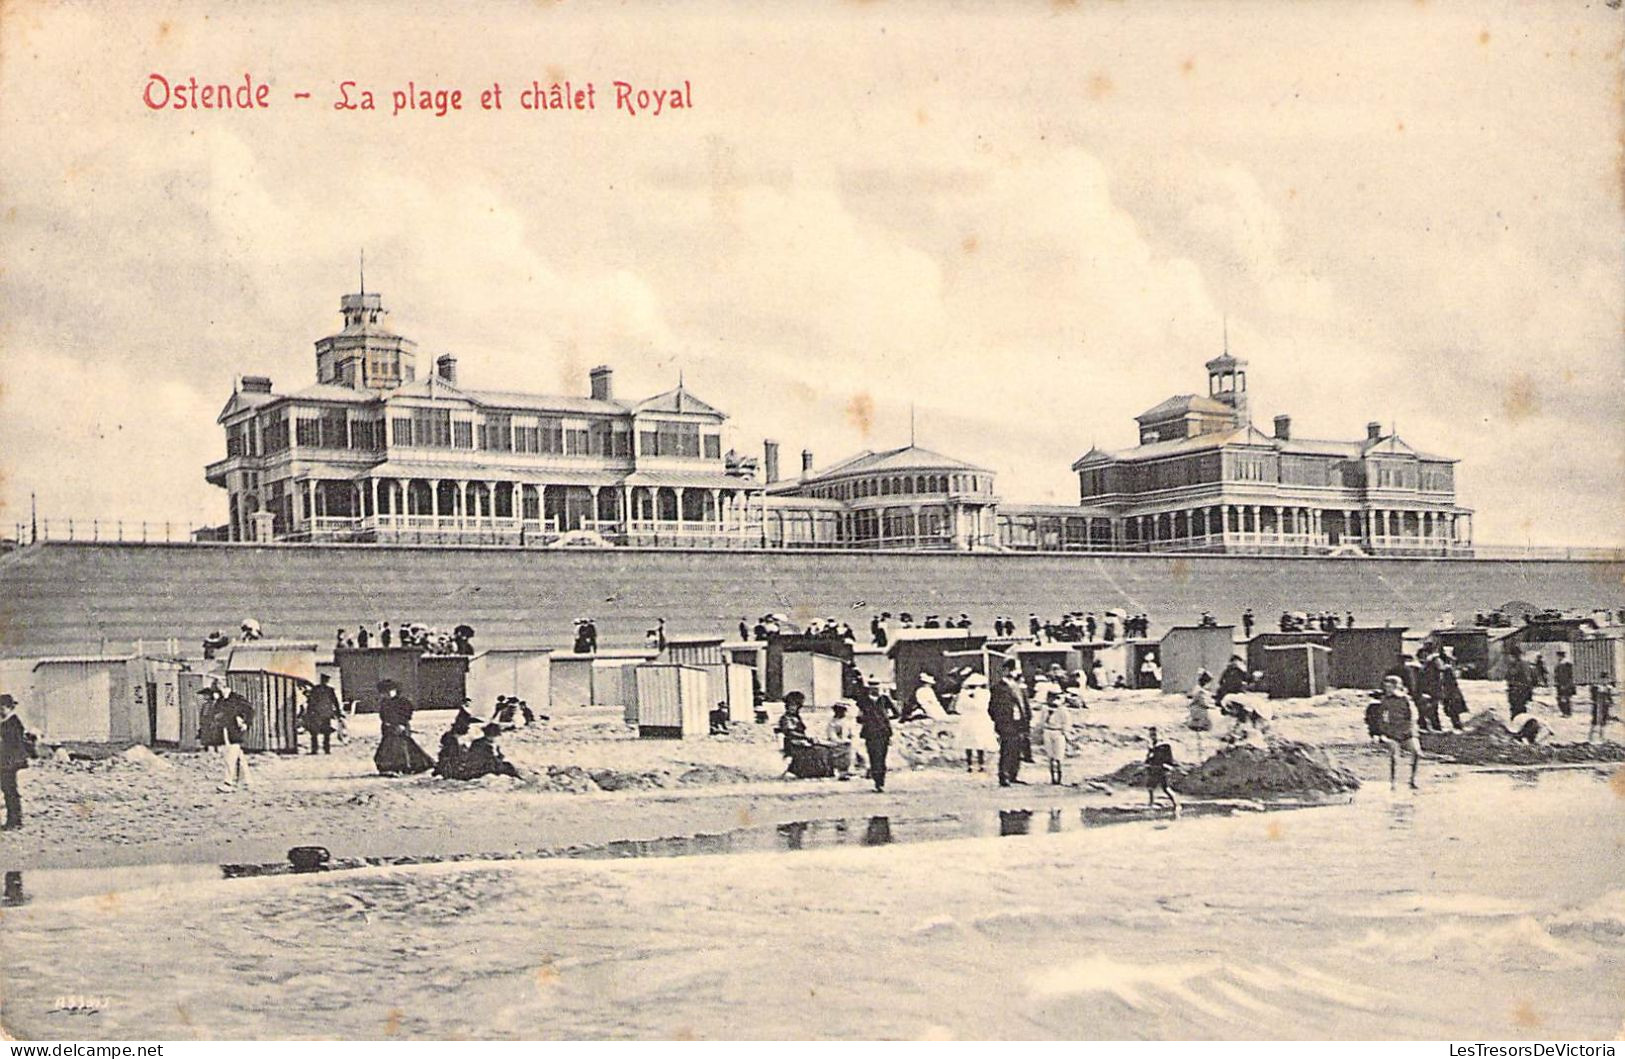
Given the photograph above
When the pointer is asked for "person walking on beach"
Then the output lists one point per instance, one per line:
(1520, 681)
(234, 714)
(13, 759)
(875, 729)
(1159, 764)
(398, 754)
(1247, 621)
(321, 710)
(1563, 682)
(1399, 728)
(1429, 690)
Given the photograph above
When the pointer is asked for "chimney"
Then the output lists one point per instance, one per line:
(806, 463)
(256, 384)
(445, 366)
(770, 461)
(1283, 427)
(1373, 431)
(603, 383)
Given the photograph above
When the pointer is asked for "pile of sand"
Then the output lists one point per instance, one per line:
(923, 744)
(1250, 771)
(1486, 741)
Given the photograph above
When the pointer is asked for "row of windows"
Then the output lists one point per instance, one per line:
(904, 485)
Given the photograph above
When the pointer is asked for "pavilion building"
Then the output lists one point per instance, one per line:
(1204, 479)
(372, 451)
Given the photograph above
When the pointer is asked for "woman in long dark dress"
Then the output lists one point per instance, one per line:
(398, 754)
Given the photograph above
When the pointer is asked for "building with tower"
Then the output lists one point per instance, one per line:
(371, 451)
(1203, 478)
(374, 452)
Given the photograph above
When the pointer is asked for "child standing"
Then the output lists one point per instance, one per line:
(1053, 725)
(1159, 762)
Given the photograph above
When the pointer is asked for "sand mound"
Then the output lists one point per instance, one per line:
(615, 780)
(1486, 741)
(701, 775)
(1248, 771)
(926, 743)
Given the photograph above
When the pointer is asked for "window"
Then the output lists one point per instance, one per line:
(713, 446)
(550, 433)
(679, 440)
(401, 431)
(462, 434)
(307, 430)
(526, 439)
(496, 433)
(236, 440)
(367, 434)
(576, 441)
(335, 432)
(431, 427)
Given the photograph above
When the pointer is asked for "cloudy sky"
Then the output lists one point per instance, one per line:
(1029, 221)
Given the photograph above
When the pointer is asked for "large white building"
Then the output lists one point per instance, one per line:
(373, 451)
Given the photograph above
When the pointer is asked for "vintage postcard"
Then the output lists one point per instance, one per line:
(846, 521)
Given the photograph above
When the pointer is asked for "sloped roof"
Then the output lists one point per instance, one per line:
(690, 480)
(1182, 404)
(242, 400)
(1248, 435)
(327, 391)
(906, 458)
(677, 400)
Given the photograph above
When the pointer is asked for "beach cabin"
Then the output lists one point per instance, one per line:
(1189, 649)
(817, 676)
(1138, 651)
(874, 664)
(1260, 644)
(272, 675)
(783, 647)
(672, 701)
(432, 682)
(1470, 645)
(916, 651)
(1361, 655)
(1296, 670)
(519, 672)
(1034, 660)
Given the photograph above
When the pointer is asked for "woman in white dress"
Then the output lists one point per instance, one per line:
(976, 735)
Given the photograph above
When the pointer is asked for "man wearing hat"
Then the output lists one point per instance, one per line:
(321, 709)
(13, 759)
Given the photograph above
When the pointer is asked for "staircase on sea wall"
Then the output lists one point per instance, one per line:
(71, 598)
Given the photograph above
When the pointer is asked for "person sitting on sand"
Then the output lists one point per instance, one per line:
(840, 734)
(926, 705)
(484, 757)
(1232, 680)
(452, 764)
(790, 727)
(1399, 728)
(1159, 763)
(1525, 726)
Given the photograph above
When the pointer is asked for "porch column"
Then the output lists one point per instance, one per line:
(434, 500)
(375, 511)
(310, 504)
(595, 490)
(716, 508)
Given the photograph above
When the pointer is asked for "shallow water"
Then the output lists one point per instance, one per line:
(1489, 906)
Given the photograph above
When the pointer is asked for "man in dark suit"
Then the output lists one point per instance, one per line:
(1005, 707)
(1563, 681)
(13, 759)
(321, 710)
(874, 726)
